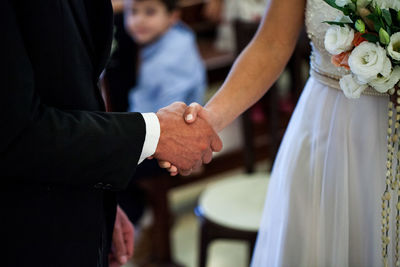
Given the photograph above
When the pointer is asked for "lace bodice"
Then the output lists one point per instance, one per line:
(318, 11)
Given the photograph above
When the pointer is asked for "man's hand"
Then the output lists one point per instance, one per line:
(122, 243)
(191, 114)
(185, 146)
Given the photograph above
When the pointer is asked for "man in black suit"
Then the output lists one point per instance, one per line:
(61, 157)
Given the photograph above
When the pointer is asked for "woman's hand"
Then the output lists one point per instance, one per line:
(195, 110)
(173, 170)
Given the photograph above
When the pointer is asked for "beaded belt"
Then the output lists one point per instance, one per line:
(333, 81)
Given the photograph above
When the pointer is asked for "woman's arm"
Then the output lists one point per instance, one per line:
(260, 64)
(255, 70)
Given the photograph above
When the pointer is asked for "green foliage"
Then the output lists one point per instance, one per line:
(371, 37)
(333, 4)
(376, 20)
(347, 9)
(377, 11)
(338, 23)
(387, 17)
(385, 21)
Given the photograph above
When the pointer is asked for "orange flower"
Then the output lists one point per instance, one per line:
(358, 39)
(341, 60)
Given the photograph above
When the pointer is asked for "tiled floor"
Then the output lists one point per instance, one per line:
(186, 228)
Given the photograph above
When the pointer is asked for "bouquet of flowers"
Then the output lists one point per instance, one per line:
(366, 41)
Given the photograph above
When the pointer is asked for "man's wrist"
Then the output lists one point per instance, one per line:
(152, 135)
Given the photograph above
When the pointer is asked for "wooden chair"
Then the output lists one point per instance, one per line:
(231, 209)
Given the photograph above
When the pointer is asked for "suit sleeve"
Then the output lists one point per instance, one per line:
(42, 144)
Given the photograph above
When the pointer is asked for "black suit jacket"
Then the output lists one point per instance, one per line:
(61, 156)
(122, 68)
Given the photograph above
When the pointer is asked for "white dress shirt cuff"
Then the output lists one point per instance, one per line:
(152, 135)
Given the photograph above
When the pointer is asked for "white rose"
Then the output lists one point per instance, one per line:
(342, 3)
(383, 84)
(395, 4)
(351, 87)
(394, 46)
(339, 39)
(369, 60)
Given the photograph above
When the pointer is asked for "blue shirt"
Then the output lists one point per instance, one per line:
(170, 70)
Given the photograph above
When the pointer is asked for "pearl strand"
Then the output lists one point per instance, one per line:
(386, 194)
(392, 177)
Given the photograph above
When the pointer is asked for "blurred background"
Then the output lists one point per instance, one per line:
(211, 217)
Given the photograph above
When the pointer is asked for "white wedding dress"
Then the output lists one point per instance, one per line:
(323, 206)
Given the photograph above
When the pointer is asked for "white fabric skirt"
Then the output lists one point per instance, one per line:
(323, 206)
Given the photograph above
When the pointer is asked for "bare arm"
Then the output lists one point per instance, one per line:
(255, 70)
(260, 64)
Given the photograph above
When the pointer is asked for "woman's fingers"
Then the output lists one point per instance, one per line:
(173, 170)
(192, 112)
(164, 164)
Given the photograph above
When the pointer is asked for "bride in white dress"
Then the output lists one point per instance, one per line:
(324, 201)
(323, 206)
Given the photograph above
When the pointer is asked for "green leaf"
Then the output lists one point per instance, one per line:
(393, 13)
(333, 4)
(339, 23)
(389, 30)
(387, 17)
(345, 19)
(377, 10)
(395, 28)
(371, 37)
(376, 20)
(351, 7)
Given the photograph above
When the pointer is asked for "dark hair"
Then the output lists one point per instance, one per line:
(171, 5)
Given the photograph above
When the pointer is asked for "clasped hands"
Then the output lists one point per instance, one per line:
(187, 140)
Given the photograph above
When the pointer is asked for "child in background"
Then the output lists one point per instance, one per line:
(170, 68)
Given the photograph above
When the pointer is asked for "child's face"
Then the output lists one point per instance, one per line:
(146, 20)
